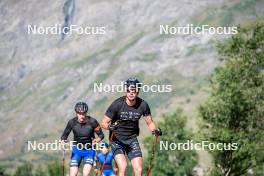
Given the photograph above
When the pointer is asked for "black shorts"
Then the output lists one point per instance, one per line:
(130, 147)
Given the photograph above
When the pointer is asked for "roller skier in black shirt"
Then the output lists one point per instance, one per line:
(122, 119)
(83, 127)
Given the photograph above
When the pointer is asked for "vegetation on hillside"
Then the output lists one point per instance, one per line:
(235, 110)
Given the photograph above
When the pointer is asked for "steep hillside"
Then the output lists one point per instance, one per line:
(42, 76)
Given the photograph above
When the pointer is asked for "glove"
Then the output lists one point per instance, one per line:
(157, 132)
(111, 127)
(114, 125)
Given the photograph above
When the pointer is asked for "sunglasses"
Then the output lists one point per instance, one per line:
(133, 90)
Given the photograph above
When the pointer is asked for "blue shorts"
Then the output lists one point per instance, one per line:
(109, 172)
(78, 155)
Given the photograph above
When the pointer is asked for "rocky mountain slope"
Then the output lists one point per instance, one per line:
(42, 76)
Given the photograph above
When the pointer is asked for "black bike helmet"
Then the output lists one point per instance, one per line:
(81, 107)
(133, 82)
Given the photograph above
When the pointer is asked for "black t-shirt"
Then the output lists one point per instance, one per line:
(82, 132)
(129, 116)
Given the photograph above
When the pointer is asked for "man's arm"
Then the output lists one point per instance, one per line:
(100, 134)
(105, 122)
(152, 126)
(150, 123)
(110, 113)
(66, 131)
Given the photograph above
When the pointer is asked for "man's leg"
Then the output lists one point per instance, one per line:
(121, 162)
(86, 169)
(119, 156)
(137, 166)
(74, 164)
(135, 156)
(73, 170)
(88, 162)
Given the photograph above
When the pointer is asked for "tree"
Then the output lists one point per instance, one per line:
(171, 162)
(3, 171)
(235, 109)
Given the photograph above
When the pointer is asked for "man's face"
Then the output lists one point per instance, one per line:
(104, 150)
(131, 93)
(81, 116)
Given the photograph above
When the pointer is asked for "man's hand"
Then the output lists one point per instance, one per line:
(111, 127)
(63, 142)
(96, 171)
(105, 122)
(96, 140)
(157, 132)
(115, 169)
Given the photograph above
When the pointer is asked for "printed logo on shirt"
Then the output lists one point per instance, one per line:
(124, 115)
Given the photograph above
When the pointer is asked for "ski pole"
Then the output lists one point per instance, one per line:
(152, 156)
(63, 159)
